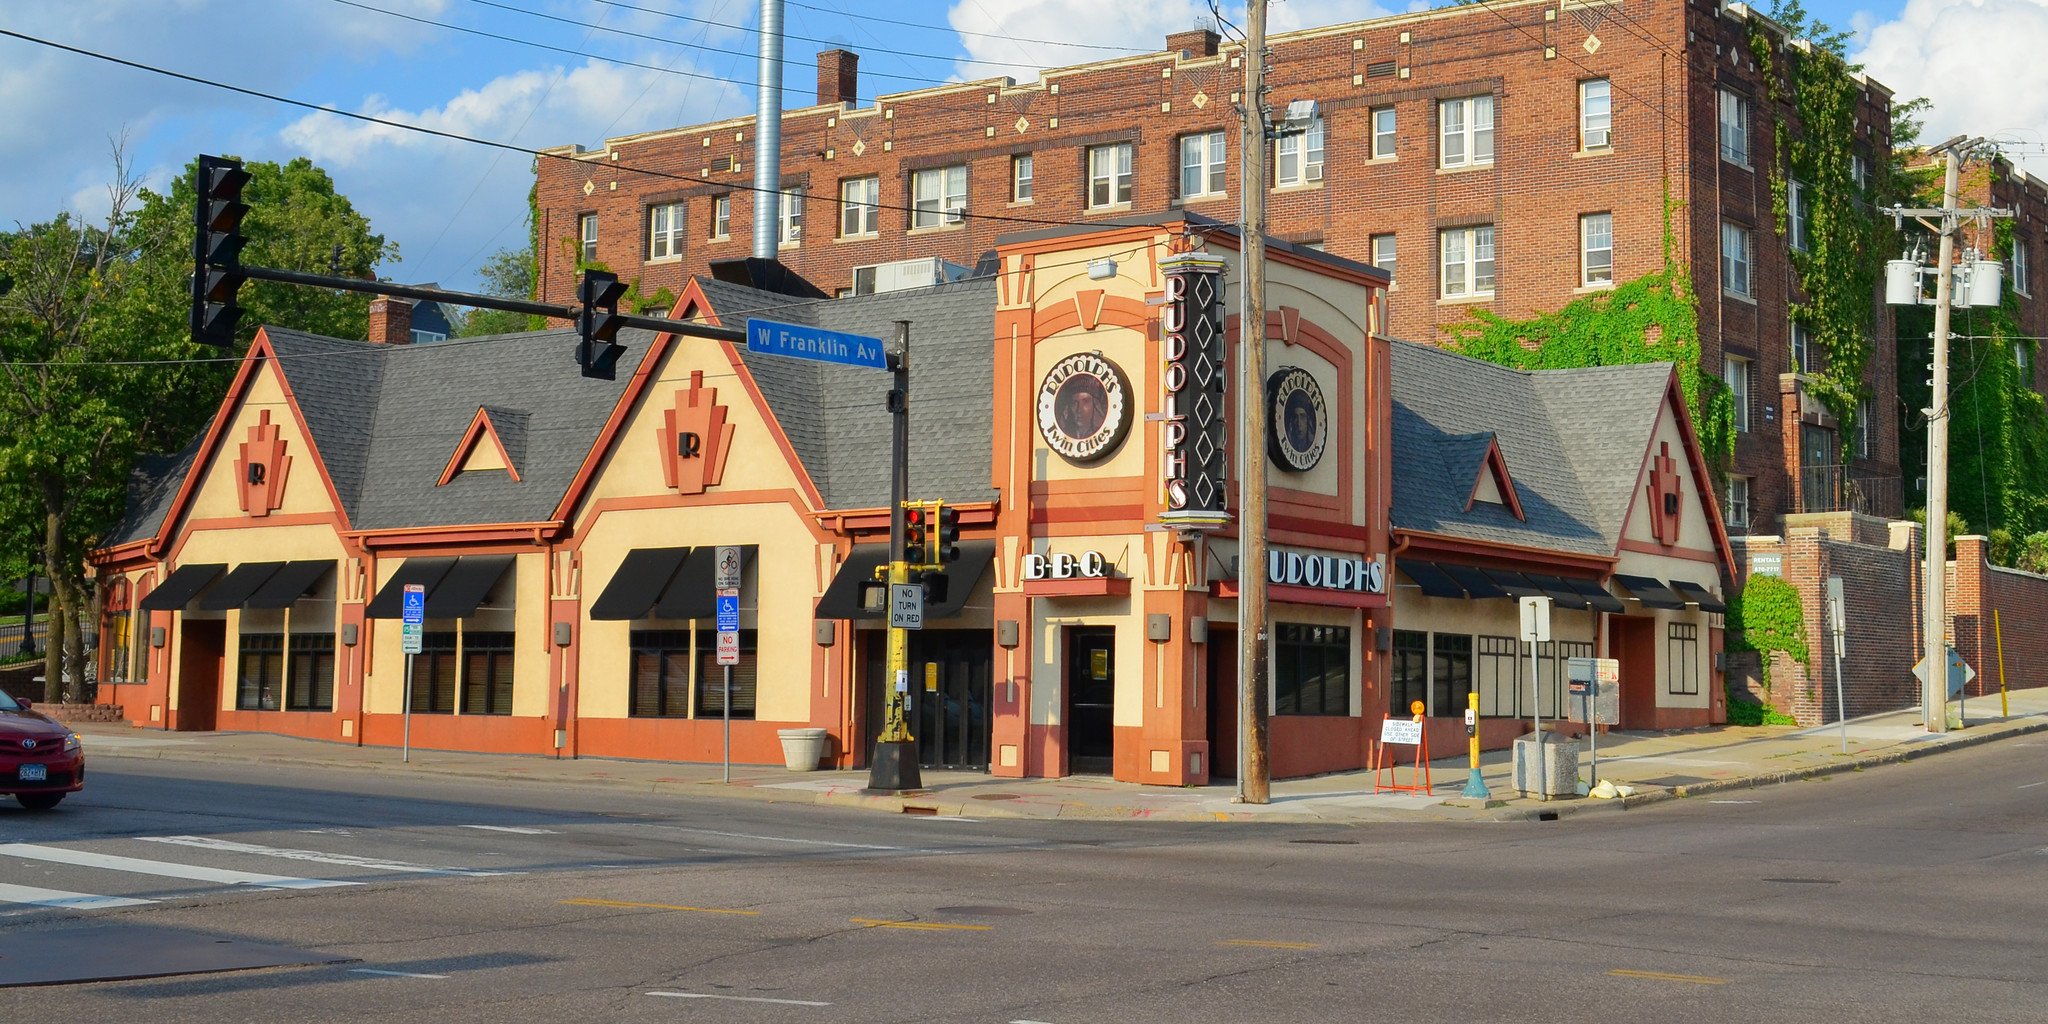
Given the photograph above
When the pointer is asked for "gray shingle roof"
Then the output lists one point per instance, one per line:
(152, 484)
(1573, 441)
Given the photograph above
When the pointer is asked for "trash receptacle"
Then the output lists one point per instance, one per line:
(802, 749)
(1547, 765)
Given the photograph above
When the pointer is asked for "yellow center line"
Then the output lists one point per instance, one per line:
(1696, 979)
(654, 906)
(1267, 945)
(922, 926)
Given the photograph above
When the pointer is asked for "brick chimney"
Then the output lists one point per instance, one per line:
(391, 321)
(1200, 42)
(838, 76)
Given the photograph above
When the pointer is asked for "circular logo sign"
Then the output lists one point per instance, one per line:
(1084, 407)
(1300, 428)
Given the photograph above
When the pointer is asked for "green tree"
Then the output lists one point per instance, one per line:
(507, 274)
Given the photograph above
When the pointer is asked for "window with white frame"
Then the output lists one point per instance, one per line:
(1864, 414)
(1798, 218)
(665, 230)
(1020, 178)
(1859, 169)
(1109, 175)
(1596, 249)
(586, 226)
(721, 217)
(1466, 129)
(1682, 660)
(2023, 357)
(789, 219)
(1201, 165)
(1802, 348)
(859, 209)
(1383, 133)
(1735, 510)
(1734, 128)
(1467, 262)
(1383, 252)
(2019, 266)
(1596, 114)
(1735, 259)
(938, 196)
(1298, 159)
(1735, 370)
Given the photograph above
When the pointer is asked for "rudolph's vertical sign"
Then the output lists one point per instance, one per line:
(1195, 461)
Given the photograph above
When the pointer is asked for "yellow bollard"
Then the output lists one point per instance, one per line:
(1998, 633)
(1475, 786)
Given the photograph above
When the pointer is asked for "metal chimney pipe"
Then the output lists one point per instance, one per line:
(768, 133)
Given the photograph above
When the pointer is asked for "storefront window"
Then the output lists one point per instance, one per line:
(1498, 672)
(1451, 674)
(661, 674)
(487, 675)
(1311, 670)
(311, 687)
(711, 677)
(1410, 670)
(118, 644)
(262, 675)
(433, 675)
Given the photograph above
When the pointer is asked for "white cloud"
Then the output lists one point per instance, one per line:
(1977, 60)
(1031, 28)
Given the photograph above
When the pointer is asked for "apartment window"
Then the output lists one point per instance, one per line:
(1736, 372)
(1682, 661)
(1734, 128)
(1735, 259)
(1596, 249)
(261, 684)
(1409, 670)
(1109, 175)
(1798, 218)
(1802, 348)
(586, 229)
(1859, 169)
(1466, 126)
(487, 673)
(433, 674)
(1596, 114)
(1383, 133)
(859, 212)
(1020, 178)
(1450, 674)
(1736, 508)
(1468, 262)
(1864, 414)
(1311, 669)
(664, 231)
(1383, 252)
(721, 217)
(1298, 159)
(1201, 165)
(938, 196)
(2023, 357)
(711, 676)
(2019, 266)
(310, 686)
(789, 219)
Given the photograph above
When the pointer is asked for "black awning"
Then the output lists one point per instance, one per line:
(390, 601)
(1650, 592)
(961, 577)
(1560, 593)
(1596, 595)
(638, 583)
(693, 592)
(288, 585)
(465, 586)
(1699, 595)
(1431, 579)
(1514, 584)
(1472, 579)
(231, 592)
(180, 587)
(842, 598)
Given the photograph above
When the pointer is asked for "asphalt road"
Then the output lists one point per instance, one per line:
(1912, 893)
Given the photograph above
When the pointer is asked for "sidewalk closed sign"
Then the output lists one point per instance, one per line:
(413, 628)
(1401, 730)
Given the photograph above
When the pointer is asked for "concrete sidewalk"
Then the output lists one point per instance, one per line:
(1660, 765)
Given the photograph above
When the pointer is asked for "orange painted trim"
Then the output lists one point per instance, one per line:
(650, 502)
(1702, 480)
(480, 426)
(1124, 514)
(1370, 277)
(244, 523)
(695, 299)
(601, 448)
(536, 534)
(1647, 548)
(1086, 485)
(216, 432)
(1494, 463)
(1506, 556)
(976, 513)
(1101, 586)
(1289, 594)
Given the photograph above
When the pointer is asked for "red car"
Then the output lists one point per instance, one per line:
(40, 759)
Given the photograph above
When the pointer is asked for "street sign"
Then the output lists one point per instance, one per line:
(1536, 619)
(1401, 730)
(728, 627)
(1595, 690)
(728, 648)
(799, 342)
(906, 606)
(413, 629)
(728, 564)
(1959, 672)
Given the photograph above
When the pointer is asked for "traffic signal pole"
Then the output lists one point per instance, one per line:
(894, 767)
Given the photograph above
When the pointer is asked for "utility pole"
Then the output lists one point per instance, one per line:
(1253, 775)
(768, 133)
(895, 766)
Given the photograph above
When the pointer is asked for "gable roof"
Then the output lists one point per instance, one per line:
(152, 489)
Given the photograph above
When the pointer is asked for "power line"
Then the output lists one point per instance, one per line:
(964, 32)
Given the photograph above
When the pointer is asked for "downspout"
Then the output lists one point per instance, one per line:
(768, 133)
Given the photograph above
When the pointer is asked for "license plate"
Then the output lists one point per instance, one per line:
(35, 773)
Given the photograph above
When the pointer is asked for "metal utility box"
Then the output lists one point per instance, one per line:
(1551, 771)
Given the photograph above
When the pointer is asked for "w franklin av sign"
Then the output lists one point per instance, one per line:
(1194, 463)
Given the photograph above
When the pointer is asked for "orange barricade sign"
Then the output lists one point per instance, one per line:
(1402, 733)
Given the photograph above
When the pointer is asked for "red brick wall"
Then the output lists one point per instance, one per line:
(2019, 598)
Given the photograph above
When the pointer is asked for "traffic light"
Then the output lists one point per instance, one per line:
(945, 529)
(217, 250)
(914, 520)
(599, 323)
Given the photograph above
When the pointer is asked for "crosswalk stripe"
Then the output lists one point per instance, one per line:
(315, 856)
(514, 829)
(163, 869)
(32, 896)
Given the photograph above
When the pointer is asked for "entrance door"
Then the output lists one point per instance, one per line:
(1091, 701)
(1634, 643)
(1222, 655)
(949, 696)
(202, 647)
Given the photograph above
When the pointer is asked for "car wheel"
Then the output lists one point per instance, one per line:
(39, 801)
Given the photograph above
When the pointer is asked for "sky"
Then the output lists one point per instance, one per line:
(581, 71)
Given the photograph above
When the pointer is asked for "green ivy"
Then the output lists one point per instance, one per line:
(1767, 617)
(1743, 711)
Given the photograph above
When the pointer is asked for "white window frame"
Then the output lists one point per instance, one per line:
(938, 196)
(1735, 260)
(1735, 510)
(1465, 131)
(1109, 176)
(1596, 250)
(1202, 163)
(1797, 223)
(586, 228)
(665, 227)
(1020, 178)
(1802, 348)
(1859, 170)
(1298, 159)
(1392, 252)
(1384, 139)
(1734, 131)
(1596, 114)
(2020, 284)
(860, 213)
(1464, 274)
(1735, 371)
(721, 217)
(789, 220)
(1864, 411)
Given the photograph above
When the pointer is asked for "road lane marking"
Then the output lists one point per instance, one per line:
(394, 974)
(922, 926)
(2031, 785)
(1267, 945)
(314, 856)
(32, 896)
(163, 869)
(514, 829)
(1694, 979)
(582, 902)
(787, 839)
(740, 999)
(1731, 801)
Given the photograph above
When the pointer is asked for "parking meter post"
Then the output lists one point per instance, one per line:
(1475, 785)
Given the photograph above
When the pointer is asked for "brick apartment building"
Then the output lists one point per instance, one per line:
(1508, 157)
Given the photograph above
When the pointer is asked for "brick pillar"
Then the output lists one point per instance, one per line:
(1196, 43)
(838, 77)
(1969, 623)
(1788, 432)
(391, 321)
(1807, 567)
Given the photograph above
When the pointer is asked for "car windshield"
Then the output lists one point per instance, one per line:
(7, 703)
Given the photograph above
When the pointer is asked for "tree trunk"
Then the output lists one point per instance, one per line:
(53, 641)
(76, 691)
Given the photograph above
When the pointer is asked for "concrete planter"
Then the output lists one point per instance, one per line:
(802, 749)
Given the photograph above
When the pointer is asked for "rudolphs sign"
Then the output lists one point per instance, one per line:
(1193, 461)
